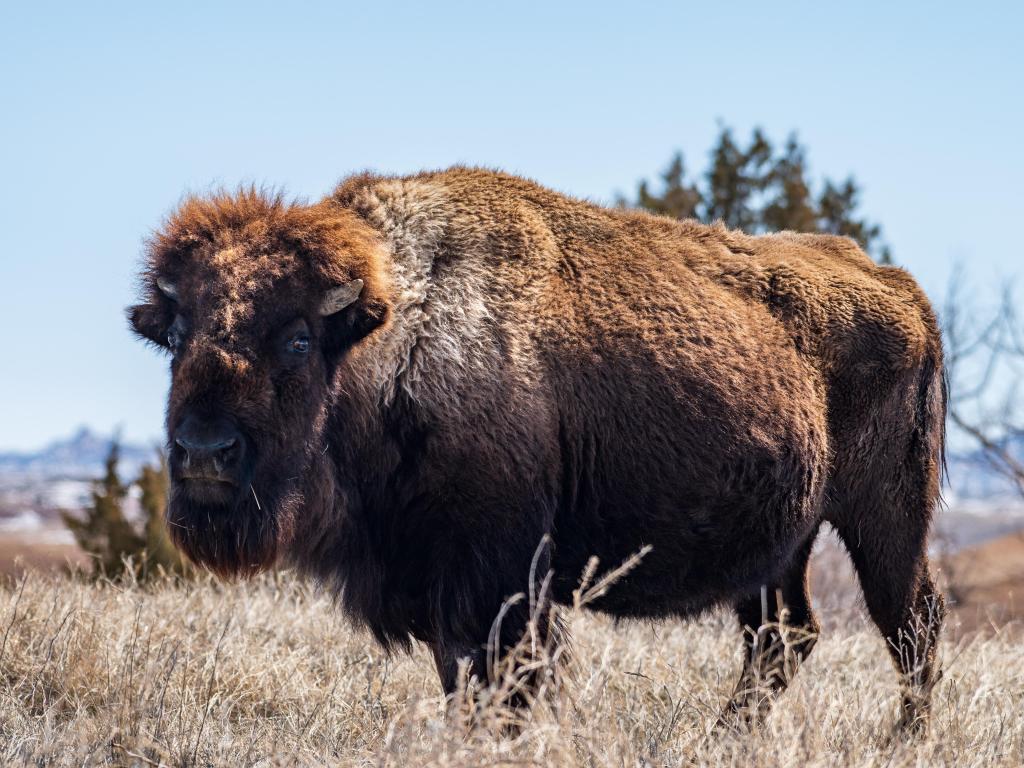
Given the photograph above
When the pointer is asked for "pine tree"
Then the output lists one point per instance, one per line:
(836, 207)
(110, 539)
(160, 554)
(790, 204)
(678, 199)
(105, 534)
(753, 189)
(734, 179)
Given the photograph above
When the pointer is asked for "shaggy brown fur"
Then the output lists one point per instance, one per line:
(520, 363)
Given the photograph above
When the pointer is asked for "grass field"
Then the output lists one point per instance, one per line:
(268, 673)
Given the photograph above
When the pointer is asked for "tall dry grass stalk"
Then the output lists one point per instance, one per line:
(269, 673)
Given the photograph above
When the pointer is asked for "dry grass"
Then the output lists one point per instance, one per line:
(268, 673)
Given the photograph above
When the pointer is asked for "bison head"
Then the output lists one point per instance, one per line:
(257, 302)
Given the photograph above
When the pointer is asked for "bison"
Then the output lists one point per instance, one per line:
(401, 389)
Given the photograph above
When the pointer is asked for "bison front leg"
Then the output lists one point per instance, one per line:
(449, 659)
(512, 668)
(780, 631)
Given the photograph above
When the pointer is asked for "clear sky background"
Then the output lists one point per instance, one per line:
(108, 114)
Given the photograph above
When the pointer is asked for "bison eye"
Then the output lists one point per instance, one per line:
(293, 343)
(299, 345)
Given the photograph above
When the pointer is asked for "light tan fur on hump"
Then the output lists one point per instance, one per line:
(442, 328)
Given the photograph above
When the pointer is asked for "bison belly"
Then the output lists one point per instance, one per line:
(708, 446)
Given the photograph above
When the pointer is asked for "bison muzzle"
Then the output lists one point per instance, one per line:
(402, 389)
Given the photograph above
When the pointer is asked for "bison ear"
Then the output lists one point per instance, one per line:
(349, 315)
(150, 322)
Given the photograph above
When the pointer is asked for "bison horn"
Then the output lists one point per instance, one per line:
(340, 297)
(167, 288)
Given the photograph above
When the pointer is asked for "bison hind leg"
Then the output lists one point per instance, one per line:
(907, 607)
(779, 630)
(882, 506)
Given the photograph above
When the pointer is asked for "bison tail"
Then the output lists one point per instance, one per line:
(932, 402)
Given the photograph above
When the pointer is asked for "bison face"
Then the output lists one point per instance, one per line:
(257, 304)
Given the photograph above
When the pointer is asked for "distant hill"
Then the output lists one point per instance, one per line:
(79, 456)
(36, 485)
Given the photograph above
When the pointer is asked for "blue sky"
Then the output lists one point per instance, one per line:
(109, 114)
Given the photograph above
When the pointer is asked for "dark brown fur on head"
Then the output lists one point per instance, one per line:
(245, 269)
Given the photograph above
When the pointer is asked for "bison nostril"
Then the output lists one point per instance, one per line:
(222, 446)
(186, 451)
(220, 451)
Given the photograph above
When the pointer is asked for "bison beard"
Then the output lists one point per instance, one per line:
(466, 363)
(240, 539)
